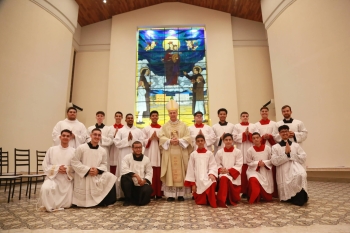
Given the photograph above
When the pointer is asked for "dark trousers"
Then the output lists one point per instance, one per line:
(300, 198)
(110, 199)
(138, 195)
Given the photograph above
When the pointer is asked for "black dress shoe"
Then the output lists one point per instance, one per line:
(159, 197)
(170, 199)
(180, 198)
(126, 203)
(244, 195)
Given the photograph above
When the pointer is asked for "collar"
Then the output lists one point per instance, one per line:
(244, 123)
(264, 122)
(260, 148)
(201, 125)
(118, 126)
(92, 147)
(99, 126)
(71, 120)
(156, 126)
(288, 121)
(283, 143)
(203, 150)
(223, 124)
(229, 150)
(137, 158)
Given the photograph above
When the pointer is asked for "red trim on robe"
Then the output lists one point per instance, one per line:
(156, 126)
(228, 192)
(245, 138)
(229, 150)
(244, 123)
(148, 143)
(156, 183)
(234, 173)
(119, 126)
(260, 148)
(201, 125)
(264, 122)
(244, 179)
(207, 196)
(189, 183)
(270, 139)
(256, 191)
(203, 150)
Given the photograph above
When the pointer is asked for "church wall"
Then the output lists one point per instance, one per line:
(310, 52)
(34, 62)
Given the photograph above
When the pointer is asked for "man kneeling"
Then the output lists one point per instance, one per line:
(93, 184)
(136, 177)
(57, 190)
(201, 174)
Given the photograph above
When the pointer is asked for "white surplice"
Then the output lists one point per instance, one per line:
(290, 173)
(263, 175)
(230, 160)
(57, 190)
(142, 168)
(296, 126)
(238, 138)
(266, 129)
(219, 130)
(200, 166)
(78, 129)
(91, 190)
(208, 133)
(152, 150)
(113, 150)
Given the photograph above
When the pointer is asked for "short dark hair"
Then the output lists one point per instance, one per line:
(70, 108)
(118, 113)
(227, 135)
(244, 113)
(135, 142)
(282, 127)
(154, 111)
(198, 112)
(222, 110)
(66, 131)
(96, 129)
(286, 106)
(256, 133)
(264, 107)
(100, 112)
(129, 115)
(200, 136)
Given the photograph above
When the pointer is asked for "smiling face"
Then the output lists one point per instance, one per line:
(228, 141)
(100, 118)
(129, 119)
(284, 133)
(222, 116)
(173, 115)
(118, 118)
(137, 148)
(286, 112)
(264, 113)
(95, 136)
(154, 118)
(65, 138)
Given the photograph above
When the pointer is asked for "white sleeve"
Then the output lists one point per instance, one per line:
(107, 140)
(190, 170)
(121, 142)
(213, 167)
(299, 155)
(81, 135)
(149, 172)
(210, 137)
(50, 170)
(301, 135)
(79, 168)
(237, 136)
(56, 132)
(250, 160)
(278, 157)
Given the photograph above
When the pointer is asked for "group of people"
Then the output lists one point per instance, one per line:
(216, 165)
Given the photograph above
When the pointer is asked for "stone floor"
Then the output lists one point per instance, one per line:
(328, 210)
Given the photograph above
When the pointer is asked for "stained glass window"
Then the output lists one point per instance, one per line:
(171, 64)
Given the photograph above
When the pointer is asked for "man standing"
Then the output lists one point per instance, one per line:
(152, 151)
(289, 158)
(56, 193)
(93, 184)
(136, 177)
(71, 123)
(176, 141)
(107, 133)
(205, 130)
(266, 127)
(124, 139)
(221, 128)
(297, 130)
(114, 151)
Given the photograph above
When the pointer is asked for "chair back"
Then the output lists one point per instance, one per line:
(4, 161)
(40, 155)
(22, 159)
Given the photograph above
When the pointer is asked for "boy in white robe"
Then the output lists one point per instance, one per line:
(93, 184)
(297, 131)
(201, 174)
(71, 123)
(152, 151)
(205, 130)
(259, 171)
(56, 193)
(289, 157)
(114, 151)
(242, 136)
(229, 161)
(136, 177)
(221, 128)
(107, 133)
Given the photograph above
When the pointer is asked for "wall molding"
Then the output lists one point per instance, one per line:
(60, 16)
(277, 12)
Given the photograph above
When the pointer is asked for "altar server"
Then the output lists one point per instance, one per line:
(221, 128)
(205, 130)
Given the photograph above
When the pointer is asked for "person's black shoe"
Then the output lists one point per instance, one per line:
(192, 197)
(158, 197)
(180, 198)
(121, 199)
(244, 195)
(170, 199)
(126, 203)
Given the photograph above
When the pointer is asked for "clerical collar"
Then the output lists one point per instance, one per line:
(244, 123)
(283, 143)
(264, 122)
(140, 158)
(92, 147)
(230, 149)
(259, 148)
(156, 125)
(118, 126)
(201, 125)
(99, 126)
(203, 150)
(288, 121)
(223, 124)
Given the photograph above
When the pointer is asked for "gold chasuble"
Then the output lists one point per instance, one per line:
(174, 158)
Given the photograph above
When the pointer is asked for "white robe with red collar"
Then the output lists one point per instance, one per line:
(152, 150)
(208, 133)
(219, 130)
(232, 161)
(266, 129)
(242, 141)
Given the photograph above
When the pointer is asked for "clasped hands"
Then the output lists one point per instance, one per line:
(62, 169)
(140, 181)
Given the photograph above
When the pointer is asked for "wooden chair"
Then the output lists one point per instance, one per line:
(40, 156)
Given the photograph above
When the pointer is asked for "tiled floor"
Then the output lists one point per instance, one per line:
(328, 210)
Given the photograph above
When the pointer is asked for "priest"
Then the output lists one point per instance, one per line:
(93, 184)
(56, 193)
(201, 129)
